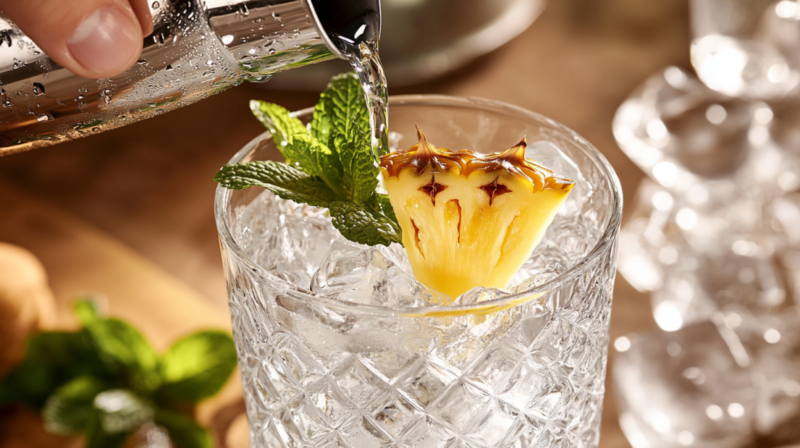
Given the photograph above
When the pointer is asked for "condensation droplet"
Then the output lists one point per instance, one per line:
(155, 5)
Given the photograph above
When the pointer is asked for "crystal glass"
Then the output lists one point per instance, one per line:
(340, 346)
(747, 48)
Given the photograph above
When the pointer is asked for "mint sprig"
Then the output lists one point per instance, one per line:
(105, 380)
(329, 164)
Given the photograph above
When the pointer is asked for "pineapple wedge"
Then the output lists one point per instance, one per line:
(470, 219)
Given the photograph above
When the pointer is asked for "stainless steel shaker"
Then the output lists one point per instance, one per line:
(198, 48)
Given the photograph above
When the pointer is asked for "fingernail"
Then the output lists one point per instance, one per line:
(106, 41)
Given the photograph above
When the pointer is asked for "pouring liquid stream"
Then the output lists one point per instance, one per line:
(367, 63)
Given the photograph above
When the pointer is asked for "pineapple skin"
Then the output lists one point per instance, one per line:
(458, 240)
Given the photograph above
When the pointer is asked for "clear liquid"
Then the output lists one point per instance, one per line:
(367, 63)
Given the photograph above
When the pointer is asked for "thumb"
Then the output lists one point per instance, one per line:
(91, 38)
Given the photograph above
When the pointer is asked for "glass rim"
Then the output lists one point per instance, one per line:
(223, 195)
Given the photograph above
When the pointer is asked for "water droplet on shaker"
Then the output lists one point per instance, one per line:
(38, 88)
(5, 37)
(271, 51)
(155, 5)
(42, 118)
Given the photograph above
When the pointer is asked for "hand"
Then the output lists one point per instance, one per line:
(92, 38)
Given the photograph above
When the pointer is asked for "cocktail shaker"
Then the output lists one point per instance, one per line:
(197, 48)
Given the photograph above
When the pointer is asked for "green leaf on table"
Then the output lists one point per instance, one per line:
(362, 225)
(285, 181)
(69, 410)
(277, 120)
(51, 360)
(122, 411)
(183, 431)
(87, 311)
(197, 366)
(120, 342)
(97, 437)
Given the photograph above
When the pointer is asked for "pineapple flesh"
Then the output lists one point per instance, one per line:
(470, 219)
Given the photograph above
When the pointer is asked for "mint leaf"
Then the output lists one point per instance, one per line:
(277, 120)
(197, 366)
(362, 225)
(183, 431)
(316, 159)
(51, 360)
(360, 174)
(87, 311)
(330, 165)
(121, 411)
(96, 437)
(120, 342)
(383, 204)
(321, 125)
(283, 180)
(69, 410)
(345, 104)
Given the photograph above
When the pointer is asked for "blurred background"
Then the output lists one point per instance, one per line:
(691, 102)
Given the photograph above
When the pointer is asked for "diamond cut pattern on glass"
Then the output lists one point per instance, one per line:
(491, 425)
(537, 383)
(357, 382)
(459, 404)
(427, 383)
(394, 414)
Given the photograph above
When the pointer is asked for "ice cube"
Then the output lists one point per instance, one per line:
(369, 275)
(551, 156)
(298, 242)
(683, 388)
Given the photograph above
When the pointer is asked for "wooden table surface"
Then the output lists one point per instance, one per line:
(128, 213)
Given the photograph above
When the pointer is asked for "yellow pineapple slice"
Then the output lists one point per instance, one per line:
(470, 219)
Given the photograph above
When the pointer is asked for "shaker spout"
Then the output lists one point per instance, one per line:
(347, 22)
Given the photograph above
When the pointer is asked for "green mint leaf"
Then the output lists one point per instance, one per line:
(97, 437)
(345, 104)
(283, 180)
(383, 204)
(183, 431)
(121, 343)
(197, 366)
(121, 411)
(321, 128)
(51, 360)
(69, 410)
(360, 174)
(277, 120)
(29, 383)
(316, 159)
(362, 225)
(87, 311)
